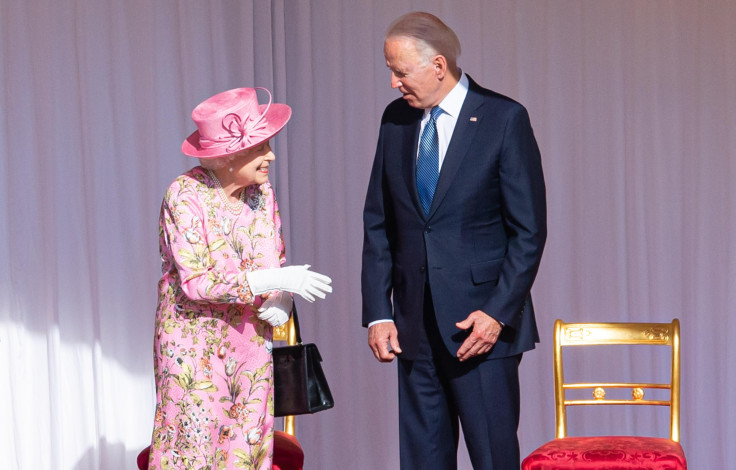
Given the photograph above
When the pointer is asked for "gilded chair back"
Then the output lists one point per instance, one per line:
(287, 333)
(591, 334)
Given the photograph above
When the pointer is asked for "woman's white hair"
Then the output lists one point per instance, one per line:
(431, 35)
(216, 163)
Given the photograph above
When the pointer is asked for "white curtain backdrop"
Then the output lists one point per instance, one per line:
(633, 104)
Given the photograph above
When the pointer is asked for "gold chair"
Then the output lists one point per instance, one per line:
(288, 453)
(613, 452)
(287, 333)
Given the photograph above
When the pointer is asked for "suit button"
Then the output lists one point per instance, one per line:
(422, 269)
(428, 229)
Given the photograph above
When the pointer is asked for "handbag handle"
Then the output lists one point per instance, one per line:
(296, 324)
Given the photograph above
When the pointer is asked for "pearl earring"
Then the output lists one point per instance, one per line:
(230, 169)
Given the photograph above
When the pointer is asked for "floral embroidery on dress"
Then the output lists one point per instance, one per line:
(212, 356)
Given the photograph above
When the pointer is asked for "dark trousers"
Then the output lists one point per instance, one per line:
(436, 391)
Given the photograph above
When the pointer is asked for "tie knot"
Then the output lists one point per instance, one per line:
(435, 112)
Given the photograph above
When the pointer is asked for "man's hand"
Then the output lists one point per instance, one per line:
(380, 336)
(484, 335)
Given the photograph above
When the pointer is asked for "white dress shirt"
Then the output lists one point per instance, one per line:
(451, 105)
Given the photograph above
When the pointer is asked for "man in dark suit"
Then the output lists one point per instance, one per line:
(455, 225)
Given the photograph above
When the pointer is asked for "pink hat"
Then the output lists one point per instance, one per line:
(232, 121)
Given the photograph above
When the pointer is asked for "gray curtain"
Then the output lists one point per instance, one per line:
(633, 104)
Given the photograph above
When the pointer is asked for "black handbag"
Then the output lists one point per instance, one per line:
(300, 386)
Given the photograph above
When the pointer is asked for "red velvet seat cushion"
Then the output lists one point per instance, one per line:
(287, 453)
(142, 459)
(607, 453)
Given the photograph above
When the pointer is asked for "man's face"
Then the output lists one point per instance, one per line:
(415, 78)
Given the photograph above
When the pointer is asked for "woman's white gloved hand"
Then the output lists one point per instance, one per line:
(276, 308)
(296, 279)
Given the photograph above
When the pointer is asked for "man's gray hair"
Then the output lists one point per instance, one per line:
(432, 36)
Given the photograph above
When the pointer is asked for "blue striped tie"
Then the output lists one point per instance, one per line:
(428, 161)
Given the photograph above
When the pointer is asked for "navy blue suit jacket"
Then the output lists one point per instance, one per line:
(480, 246)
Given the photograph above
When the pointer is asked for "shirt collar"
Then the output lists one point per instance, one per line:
(453, 102)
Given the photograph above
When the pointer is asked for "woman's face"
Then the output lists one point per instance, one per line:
(251, 165)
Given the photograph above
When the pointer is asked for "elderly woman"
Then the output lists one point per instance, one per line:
(223, 289)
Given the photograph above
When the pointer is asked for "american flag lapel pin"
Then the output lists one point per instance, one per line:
(473, 119)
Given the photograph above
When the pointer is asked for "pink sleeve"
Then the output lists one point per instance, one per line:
(182, 231)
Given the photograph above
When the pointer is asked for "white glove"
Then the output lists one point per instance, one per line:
(296, 279)
(276, 309)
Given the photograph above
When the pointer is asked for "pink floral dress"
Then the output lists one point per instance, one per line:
(212, 355)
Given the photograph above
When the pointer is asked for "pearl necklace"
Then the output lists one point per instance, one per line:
(235, 208)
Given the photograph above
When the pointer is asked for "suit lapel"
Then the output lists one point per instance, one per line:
(462, 138)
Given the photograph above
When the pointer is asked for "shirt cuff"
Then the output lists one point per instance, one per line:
(379, 321)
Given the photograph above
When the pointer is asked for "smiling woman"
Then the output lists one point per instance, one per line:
(222, 291)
